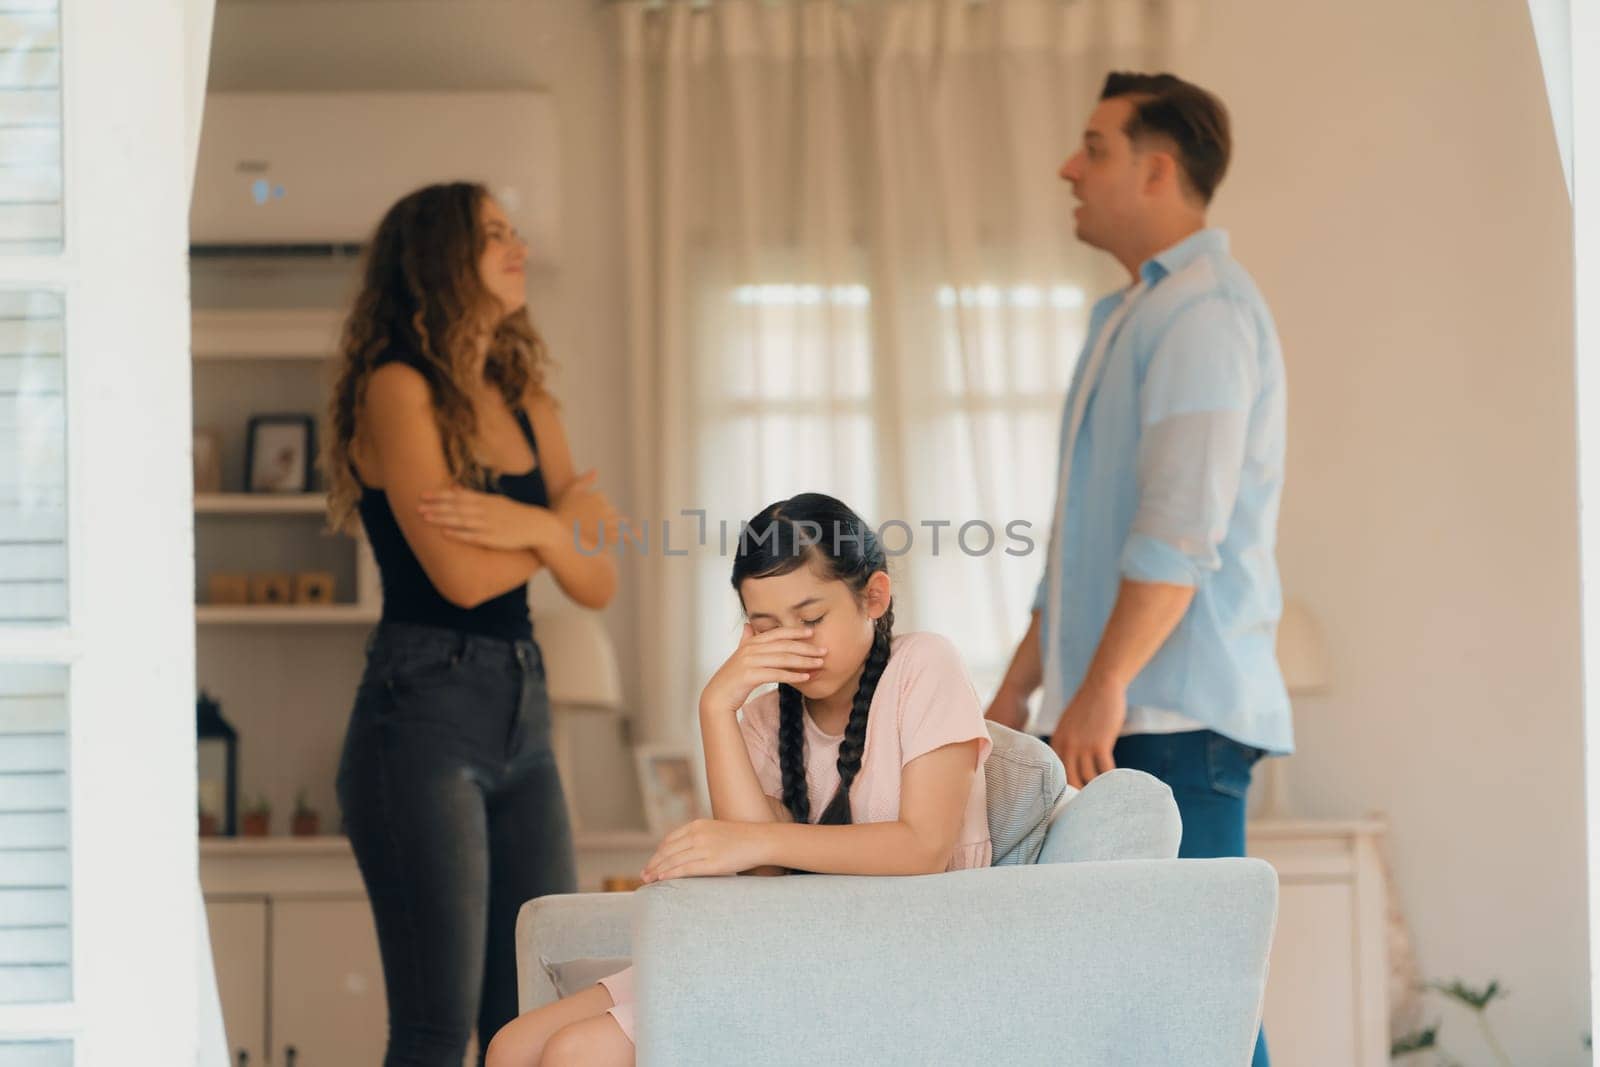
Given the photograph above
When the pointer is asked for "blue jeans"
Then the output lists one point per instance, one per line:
(455, 812)
(1210, 776)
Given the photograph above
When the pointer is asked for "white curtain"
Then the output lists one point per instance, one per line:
(852, 270)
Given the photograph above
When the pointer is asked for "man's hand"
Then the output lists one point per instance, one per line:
(1009, 708)
(1088, 730)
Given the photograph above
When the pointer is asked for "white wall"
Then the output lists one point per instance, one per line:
(1399, 195)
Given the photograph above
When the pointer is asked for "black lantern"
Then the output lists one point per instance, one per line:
(217, 743)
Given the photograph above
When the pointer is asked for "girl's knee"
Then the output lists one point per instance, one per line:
(498, 1054)
(568, 1045)
(512, 1047)
(596, 1042)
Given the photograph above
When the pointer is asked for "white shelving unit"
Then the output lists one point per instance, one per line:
(274, 353)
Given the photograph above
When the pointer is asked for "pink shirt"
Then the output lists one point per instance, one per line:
(923, 701)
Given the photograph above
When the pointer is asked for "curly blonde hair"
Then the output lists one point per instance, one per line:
(421, 294)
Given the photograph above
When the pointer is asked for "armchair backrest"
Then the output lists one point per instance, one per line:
(1036, 817)
(1025, 783)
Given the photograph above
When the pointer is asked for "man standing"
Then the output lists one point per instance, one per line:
(1154, 626)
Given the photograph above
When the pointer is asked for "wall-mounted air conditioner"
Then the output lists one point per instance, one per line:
(312, 172)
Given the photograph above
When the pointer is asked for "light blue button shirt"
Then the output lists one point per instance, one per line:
(1176, 476)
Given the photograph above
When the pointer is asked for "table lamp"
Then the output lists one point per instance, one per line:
(1303, 659)
(581, 675)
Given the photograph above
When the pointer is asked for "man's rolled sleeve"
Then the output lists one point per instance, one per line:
(1150, 559)
(1195, 403)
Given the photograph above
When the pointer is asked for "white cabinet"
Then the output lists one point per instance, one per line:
(296, 951)
(300, 980)
(1327, 987)
(239, 948)
(327, 984)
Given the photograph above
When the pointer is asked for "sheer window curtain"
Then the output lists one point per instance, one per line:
(852, 270)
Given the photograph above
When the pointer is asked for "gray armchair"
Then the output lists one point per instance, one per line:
(1087, 943)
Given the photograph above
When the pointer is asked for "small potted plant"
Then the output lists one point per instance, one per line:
(210, 825)
(257, 818)
(304, 821)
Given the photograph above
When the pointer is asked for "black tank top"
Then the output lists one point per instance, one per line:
(409, 595)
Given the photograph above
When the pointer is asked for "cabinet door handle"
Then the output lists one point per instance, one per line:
(290, 1054)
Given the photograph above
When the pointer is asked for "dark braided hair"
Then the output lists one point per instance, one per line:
(817, 529)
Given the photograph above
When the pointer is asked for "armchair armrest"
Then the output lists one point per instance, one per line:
(566, 942)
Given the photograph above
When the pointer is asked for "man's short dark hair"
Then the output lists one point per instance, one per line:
(1195, 121)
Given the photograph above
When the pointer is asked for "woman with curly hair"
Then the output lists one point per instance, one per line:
(447, 449)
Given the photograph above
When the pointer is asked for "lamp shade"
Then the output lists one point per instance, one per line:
(1302, 655)
(579, 660)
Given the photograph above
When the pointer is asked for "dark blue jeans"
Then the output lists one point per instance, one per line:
(1210, 776)
(455, 812)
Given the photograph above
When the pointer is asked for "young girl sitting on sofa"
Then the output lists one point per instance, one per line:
(867, 759)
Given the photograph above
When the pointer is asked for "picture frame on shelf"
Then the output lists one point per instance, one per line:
(667, 783)
(280, 451)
